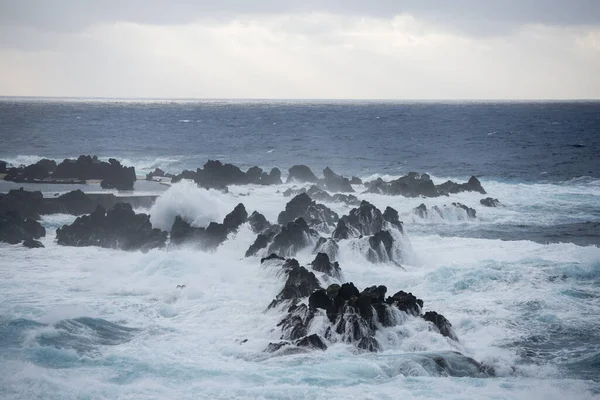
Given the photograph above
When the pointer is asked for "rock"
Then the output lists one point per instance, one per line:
(441, 323)
(216, 175)
(348, 199)
(316, 193)
(362, 221)
(312, 341)
(301, 173)
(473, 185)
(258, 222)
(421, 210)
(272, 256)
(320, 299)
(375, 293)
(75, 202)
(158, 173)
(293, 237)
(356, 181)
(413, 185)
(327, 246)
(391, 216)
(321, 263)
(213, 235)
(274, 177)
(3, 165)
(32, 243)
(490, 202)
(368, 343)
(31, 173)
(406, 302)
(26, 204)
(300, 283)
(14, 228)
(471, 213)
(316, 215)
(119, 228)
(335, 182)
(112, 173)
(262, 241)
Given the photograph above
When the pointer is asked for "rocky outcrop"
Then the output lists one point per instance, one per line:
(213, 235)
(301, 173)
(31, 243)
(336, 183)
(262, 240)
(26, 204)
(328, 246)
(322, 264)
(453, 211)
(365, 220)
(158, 173)
(293, 237)
(316, 193)
(31, 173)
(299, 283)
(381, 247)
(316, 215)
(75, 202)
(216, 175)
(112, 174)
(119, 228)
(490, 202)
(415, 185)
(14, 228)
(258, 222)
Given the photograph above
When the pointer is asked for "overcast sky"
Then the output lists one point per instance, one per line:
(353, 49)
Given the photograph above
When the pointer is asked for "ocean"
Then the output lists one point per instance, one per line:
(520, 283)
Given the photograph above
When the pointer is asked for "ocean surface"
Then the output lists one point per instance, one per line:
(520, 283)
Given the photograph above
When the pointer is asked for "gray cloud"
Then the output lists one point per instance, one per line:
(474, 16)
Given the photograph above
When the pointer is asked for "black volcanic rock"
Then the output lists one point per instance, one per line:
(321, 263)
(31, 173)
(301, 173)
(406, 302)
(415, 185)
(362, 221)
(14, 228)
(441, 323)
(32, 244)
(489, 202)
(391, 216)
(316, 215)
(328, 246)
(262, 240)
(119, 228)
(258, 222)
(3, 165)
(74, 202)
(381, 247)
(158, 173)
(473, 185)
(26, 204)
(335, 182)
(293, 237)
(423, 212)
(216, 175)
(300, 283)
(356, 181)
(213, 235)
(112, 173)
(312, 341)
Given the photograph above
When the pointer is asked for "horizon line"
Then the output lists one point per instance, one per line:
(299, 99)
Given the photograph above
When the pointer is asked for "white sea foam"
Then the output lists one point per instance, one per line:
(190, 343)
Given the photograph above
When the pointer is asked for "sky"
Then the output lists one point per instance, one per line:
(328, 49)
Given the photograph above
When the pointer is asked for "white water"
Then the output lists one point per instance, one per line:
(497, 294)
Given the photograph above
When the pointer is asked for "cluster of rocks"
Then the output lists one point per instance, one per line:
(319, 194)
(303, 221)
(216, 175)
(423, 212)
(119, 228)
(215, 233)
(14, 228)
(415, 185)
(158, 173)
(353, 316)
(490, 202)
(112, 174)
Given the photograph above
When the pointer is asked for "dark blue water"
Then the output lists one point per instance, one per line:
(535, 141)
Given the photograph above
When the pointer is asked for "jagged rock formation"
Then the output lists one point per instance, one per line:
(490, 202)
(14, 228)
(316, 215)
(414, 185)
(216, 175)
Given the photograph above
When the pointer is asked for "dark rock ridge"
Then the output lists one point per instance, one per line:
(211, 236)
(158, 173)
(216, 175)
(327, 246)
(32, 244)
(414, 185)
(366, 220)
(321, 263)
(490, 202)
(27, 204)
(112, 174)
(336, 183)
(258, 222)
(119, 228)
(316, 215)
(301, 173)
(317, 193)
(293, 237)
(353, 316)
(262, 240)
(14, 228)
(31, 173)
(423, 212)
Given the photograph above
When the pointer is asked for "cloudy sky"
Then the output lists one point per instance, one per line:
(352, 49)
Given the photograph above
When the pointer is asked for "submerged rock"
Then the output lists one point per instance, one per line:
(452, 211)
